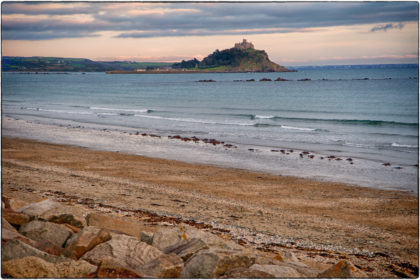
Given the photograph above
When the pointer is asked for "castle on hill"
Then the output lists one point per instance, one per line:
(244, 45)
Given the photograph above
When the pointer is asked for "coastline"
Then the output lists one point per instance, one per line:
(322, 220)
(253, 157)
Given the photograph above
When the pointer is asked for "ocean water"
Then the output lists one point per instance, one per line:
(369, 114)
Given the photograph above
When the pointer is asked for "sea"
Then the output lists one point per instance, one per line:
(367, 114)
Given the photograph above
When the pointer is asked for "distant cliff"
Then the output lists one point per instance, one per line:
(243, 57)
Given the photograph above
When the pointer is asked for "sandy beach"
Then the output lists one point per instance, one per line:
(319, 221)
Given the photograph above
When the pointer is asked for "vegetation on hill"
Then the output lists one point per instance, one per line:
(241, 58)
(59, 64)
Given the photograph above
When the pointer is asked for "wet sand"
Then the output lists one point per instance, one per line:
(376, 229)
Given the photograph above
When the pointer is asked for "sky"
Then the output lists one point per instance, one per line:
(292, 33)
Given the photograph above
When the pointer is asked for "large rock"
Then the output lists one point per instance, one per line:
(33, 267)
(127, 250)
(164, 266)
(66, 218)
(39, 230)
(15, 218)
(39, 208)
(115, 224)
(13, 203)
(186, 248)
(246, 273)
(342, 269)
(147, 237)
(166, 237)
(277, 270)
(212, 240)
(85, 240)
(9, 232)
(16, 249)
(213, 263)
(111, 268)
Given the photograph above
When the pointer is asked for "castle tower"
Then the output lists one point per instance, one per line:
(244, 45)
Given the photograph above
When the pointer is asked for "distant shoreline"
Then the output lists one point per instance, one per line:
(188, 72)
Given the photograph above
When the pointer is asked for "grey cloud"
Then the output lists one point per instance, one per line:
(387, 26)
(45, 35)
(211, 18)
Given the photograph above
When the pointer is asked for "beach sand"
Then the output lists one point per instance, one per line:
(375, 229)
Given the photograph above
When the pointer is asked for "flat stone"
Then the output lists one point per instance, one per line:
(128, 251)
(277, 270)
(186, 248)
(342, 269)
(111, 268)
(15, 218)
(8, 232)
(33, 267)
(115, 224)
(39, 230)
(47, 247)
(164, 266)
(16, 249)
(213, 263)
(14, 203)
(85, 240)
(39, 208)
(166, 237)
(246, 273)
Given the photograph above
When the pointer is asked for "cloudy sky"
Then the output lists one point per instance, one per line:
(292, 33)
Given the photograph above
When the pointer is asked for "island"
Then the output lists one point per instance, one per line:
(243, 57)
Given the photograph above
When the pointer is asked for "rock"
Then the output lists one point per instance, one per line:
(186, 248)
(66, 219)
(47, 247)
(246, 273)
(72, 228)
(110, 268)
(14, 203)
(39, 230)
(210, 239)
(115, 224)
(251, 80)
(277, 270)
(279, 79)
(342, 269)
(146, 237)
(16, 249)
(214, 263)
(33, 267)
(265, 80)
(85, 240)
(304, 80)
(15, 218)
(39, 208)
(164, 266)
(9, 232)
(128, 251)
(166, 237)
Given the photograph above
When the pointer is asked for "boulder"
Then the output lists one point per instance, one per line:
(15, 218)
(39, 230)
(39, 208)
(212, 240)
(33, 267)
(13, 203)
(66, 219)
(166, 237)
(47, 247)
(277, 270)
(246, 273)
(186, 248)
(9, 232)
(115, 224)
(111, 268)
(85, 240)
(128, 251)
(16, 249)
(342, 269)
(164, 266)
(213, 263)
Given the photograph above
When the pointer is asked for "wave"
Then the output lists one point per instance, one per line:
(403, 145)
(194, 120)
(123, 110)
(57, 111)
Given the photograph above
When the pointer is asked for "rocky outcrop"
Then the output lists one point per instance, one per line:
(102, 246)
